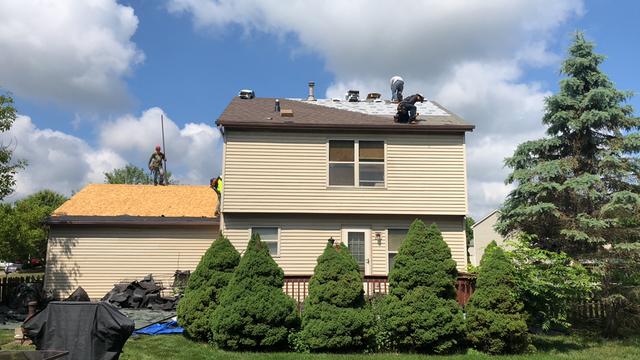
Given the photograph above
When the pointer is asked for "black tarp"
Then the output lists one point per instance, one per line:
(87, 330)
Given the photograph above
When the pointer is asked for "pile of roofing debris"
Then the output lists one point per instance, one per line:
(143, 294)
(18, 301)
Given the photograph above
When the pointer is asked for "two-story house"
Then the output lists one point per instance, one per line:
(321, 169)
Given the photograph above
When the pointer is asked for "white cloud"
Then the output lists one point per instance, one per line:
(468, 55)
(72, 53)
(65, 163)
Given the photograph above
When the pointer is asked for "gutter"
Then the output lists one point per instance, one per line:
(126, 220)
(246, 125)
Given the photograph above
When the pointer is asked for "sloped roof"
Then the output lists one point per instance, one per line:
(110, 200)
(332, 115)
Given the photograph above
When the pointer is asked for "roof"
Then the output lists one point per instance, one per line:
(139, 202)
(330, 115)
(485, 218)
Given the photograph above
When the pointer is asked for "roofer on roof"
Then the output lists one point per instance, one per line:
(397, 85)
(216, 185)
(156, 166)
(407, 109)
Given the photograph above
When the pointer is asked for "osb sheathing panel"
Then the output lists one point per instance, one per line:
(141, 200)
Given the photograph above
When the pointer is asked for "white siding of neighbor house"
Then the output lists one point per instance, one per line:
(268, 172)
(98, 257)
(304, 237)
(483, 234)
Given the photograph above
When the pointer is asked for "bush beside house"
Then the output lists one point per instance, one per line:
(421, 313)
(254, 312)
(495, 317)
(335, 318)
(202, 294)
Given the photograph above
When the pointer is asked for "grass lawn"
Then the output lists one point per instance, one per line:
(549, 347)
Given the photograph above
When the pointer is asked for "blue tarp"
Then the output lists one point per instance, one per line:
(161, 329)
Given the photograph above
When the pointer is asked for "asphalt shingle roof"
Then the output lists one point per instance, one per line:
(328, 115)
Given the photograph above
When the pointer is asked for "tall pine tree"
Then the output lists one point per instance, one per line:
(578, 188)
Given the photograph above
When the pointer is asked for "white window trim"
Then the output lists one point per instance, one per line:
(267, 241)
(356, 165)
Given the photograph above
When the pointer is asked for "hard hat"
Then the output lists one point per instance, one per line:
(158, 148)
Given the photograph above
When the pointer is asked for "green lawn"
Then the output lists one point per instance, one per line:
(549, 347)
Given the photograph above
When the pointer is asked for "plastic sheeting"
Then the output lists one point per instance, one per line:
(161, 329)
(87, 330)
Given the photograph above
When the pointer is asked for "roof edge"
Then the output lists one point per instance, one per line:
(131, 220)
(345, 127)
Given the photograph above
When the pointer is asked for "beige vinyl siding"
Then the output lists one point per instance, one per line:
(98, 257)
(304, 237)
(266, 172)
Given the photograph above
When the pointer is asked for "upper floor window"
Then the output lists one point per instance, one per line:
(270, 236)
(354, 162)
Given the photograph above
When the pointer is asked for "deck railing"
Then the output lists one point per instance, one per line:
(297, 286)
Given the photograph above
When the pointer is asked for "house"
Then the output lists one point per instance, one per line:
(110, 233)
(314, 170)
(483, 233)
(328, 168)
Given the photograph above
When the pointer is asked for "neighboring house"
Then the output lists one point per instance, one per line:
(483, 233)
(341, 170)
(110, 233)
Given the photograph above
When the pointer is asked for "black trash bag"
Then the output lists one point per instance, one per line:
(87, 330)
(79, 295)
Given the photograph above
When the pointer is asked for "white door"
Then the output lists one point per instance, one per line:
(359, 243)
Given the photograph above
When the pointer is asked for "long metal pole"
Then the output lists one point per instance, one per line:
(164, 149)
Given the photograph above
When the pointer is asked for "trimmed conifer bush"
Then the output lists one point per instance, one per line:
(335, 318)
(254, 313)
(421, 313)
(202, 293)
(495, 317)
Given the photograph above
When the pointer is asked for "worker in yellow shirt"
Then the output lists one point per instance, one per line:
(216, 185)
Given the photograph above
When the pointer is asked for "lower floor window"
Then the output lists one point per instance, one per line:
(395, 238)
(270, 236)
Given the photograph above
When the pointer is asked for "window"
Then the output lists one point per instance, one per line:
(371, 158)
(341, 162)
(367, 170)
(395, 238)
(270, 236)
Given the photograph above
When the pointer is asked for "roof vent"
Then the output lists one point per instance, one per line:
(352, 96)
(246, 94)
(373, 96)
(335, 99)
(311, 96)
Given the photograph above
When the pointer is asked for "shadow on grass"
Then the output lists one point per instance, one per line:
(559, 343)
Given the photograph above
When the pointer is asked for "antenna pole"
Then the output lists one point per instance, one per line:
(164, 148)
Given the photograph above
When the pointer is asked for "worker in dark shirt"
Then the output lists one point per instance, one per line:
(407, 108)
(156, 166)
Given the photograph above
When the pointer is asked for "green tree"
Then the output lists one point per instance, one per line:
(578, 189)
(8, 167)
(570, 184)
(254, 313)
(22, 229)
(468, 224)
(335, 318)
(131, 174)
(495, 316)
(202, 294)
(548, 283)
(421, 312)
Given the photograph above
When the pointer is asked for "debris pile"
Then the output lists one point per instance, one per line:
(143, 294)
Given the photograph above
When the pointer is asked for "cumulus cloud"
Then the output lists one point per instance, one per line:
(73, 53)
(469, 56)
(65, 163)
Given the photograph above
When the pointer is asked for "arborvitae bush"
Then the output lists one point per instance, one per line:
(254, 313)
(202, 293)
(421, 313)
(495, 317)
(335, 318)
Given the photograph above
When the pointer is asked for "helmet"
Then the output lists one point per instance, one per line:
(422, 96)
(158, 148)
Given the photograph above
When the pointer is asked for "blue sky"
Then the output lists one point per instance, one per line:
(95, 107)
